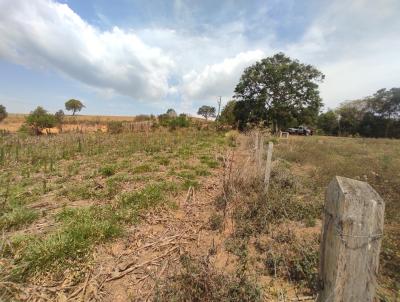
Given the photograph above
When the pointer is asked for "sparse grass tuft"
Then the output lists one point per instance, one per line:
(17, 217)
(145, 168)
(207, 160)
(107, 170)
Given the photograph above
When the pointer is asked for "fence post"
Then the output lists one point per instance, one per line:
(351, 241)
(268, 167)
(260, 154)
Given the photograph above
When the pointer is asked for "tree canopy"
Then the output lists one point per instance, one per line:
(3, 113)
(227, 115)
(278, 90)
(39, 119)
(328, 122)
(206, 111)
(374, 116)
(74, 106)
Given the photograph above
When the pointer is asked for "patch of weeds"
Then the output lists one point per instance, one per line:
(112, 188)
(17, 217)
(145, 168)
(77, 191)
(190, 183)
(149, 196)
(310, 222)
(186, 174)
(163, 161)
(216, 221)
(390, 255)
(252, 217)
(297, 262)
(199, 281)
(81, 228)
(107, 170)
(207, 160)
(220, 202)
(184, 152)
(231, 138)
(237, 246)
(202, 171)
(73, 168)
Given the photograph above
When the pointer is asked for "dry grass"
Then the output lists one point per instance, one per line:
(316, 160)
(277, 235)
(83, 123)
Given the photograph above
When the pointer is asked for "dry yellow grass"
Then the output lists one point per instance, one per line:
(86, 122)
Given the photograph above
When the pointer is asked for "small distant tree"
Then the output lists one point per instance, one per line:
(206, 111)
(3, 113)
(74, 106)
(171, 113)
(59, 116)
(39, 119)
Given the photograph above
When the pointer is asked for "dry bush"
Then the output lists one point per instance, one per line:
(198, 281)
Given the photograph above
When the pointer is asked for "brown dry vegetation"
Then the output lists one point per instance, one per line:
(78, 123)
(178, 215)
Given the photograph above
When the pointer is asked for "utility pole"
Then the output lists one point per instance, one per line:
(219, 106)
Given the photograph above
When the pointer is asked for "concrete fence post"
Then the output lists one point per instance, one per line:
(351, 241)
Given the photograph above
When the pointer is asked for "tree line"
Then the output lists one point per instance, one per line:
(279, 92)
(374, 116)
(40, 118)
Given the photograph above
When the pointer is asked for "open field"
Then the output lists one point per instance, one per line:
(61, 195)
(83, 122)
(164, 215)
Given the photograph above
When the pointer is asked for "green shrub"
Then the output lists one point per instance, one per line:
(107, 170)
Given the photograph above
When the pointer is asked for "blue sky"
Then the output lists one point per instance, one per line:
(131, 57)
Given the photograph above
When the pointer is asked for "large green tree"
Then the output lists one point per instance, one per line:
(276, 91)
(39, 119)
(74, 106)
(3, 113)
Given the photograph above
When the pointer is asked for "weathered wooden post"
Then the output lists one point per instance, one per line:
(351, 241)
(268, 167)
(260, 155)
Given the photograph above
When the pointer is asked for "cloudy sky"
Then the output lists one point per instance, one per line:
(129, 57)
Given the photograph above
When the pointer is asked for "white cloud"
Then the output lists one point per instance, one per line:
(355, 43)
(218, 79)
(46, 34)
